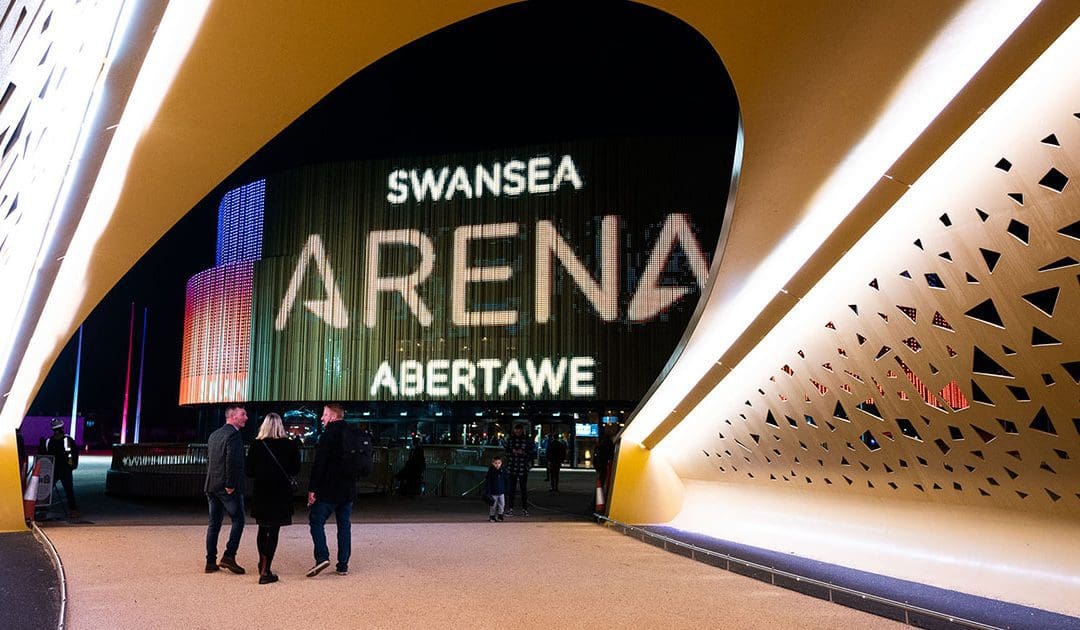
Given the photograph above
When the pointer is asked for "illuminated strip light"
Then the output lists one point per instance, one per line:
(958, 51)
(240, 224)
(954, 397)
(217, 335)
(924, 391)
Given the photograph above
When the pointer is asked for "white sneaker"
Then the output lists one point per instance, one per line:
(318, 568)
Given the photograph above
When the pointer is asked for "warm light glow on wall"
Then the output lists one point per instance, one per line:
(956, 54)
(955, 463)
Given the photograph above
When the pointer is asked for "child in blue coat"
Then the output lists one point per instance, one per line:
(495, 489)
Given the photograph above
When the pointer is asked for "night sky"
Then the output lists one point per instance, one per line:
(524, 74)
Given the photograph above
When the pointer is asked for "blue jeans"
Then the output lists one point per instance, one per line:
(220, 504)
(317, 520)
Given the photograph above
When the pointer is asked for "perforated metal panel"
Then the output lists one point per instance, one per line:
(938, 361)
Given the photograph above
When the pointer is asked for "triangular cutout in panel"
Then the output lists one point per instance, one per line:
(986, 436)
(1042, 422)
(940, 321)
(979, 396)
(990, 257)
(868, 407)
(1019, 393)
(1072, 230)
(1073, 368)
(1004, 165)
(970, 278)
(1041, 338)
(1060, 263)
(770, 420)
(1045, 300)
(986, 313)
(840, 413)
(981, 363)
(982, 215)
(1051, 140)
(1017, 197)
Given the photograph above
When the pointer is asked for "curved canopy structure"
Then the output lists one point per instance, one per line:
(882, 373)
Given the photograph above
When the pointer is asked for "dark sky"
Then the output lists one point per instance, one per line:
(523, 74)
(157, 282)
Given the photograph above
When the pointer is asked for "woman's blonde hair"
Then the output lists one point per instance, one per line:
(271, 427)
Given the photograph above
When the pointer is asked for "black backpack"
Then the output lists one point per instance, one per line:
(356, 452)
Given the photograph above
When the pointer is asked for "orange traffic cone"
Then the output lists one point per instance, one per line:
(599, 496)
(30, 496)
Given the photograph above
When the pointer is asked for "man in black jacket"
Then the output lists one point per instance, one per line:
(331, 491)
(224, 488)
(65, 454)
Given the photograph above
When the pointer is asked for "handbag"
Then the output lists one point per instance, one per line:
(294, 483)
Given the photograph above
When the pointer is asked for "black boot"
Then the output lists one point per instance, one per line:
(229, 562)
(265, 576)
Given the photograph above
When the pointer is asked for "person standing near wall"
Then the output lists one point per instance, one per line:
(519, 460)
(65, 454)
(224, 488)
(604, 457)
(556, 454)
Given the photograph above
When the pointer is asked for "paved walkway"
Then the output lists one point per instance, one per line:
(424, 575)
(417, 562)
(29, 584)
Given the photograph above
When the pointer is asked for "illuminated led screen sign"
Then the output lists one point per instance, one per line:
(566, 271)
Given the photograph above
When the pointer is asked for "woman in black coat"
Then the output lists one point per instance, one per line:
(273, 460)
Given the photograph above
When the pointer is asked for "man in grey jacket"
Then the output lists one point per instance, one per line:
(224, 488)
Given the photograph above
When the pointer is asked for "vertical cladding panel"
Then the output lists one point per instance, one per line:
(240, 224)
(217, 314)
(217, 335)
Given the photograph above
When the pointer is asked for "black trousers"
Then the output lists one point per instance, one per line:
(518, 480)
(553, 474)
(62, 475)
